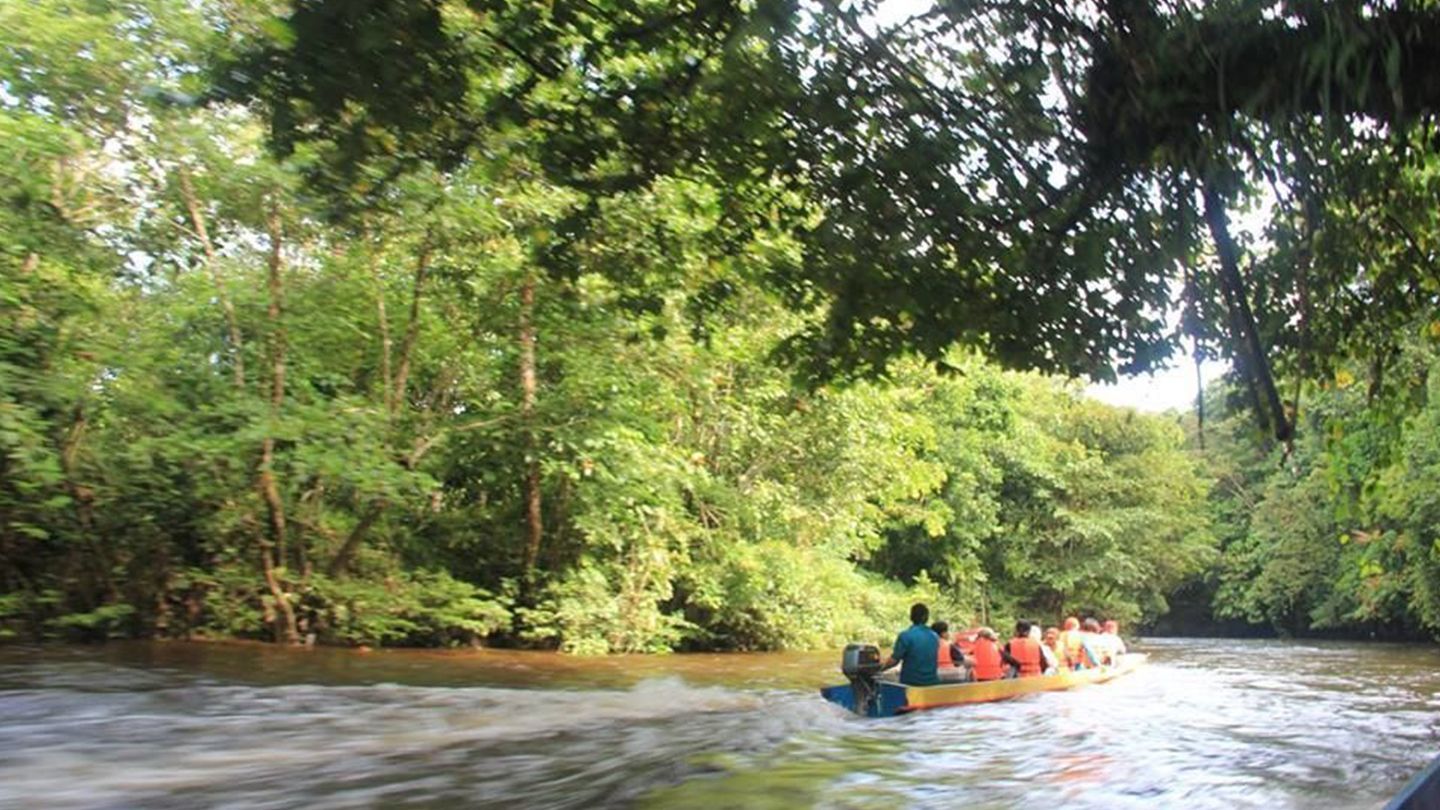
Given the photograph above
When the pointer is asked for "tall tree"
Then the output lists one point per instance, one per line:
(1017, 176)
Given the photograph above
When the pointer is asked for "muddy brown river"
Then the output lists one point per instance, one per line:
(1208, 723)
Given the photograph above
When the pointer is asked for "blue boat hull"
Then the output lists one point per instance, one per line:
(889, 701)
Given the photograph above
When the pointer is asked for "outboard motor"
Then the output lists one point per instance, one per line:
(860, 664)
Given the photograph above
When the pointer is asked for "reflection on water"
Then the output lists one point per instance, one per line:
(1207, 723)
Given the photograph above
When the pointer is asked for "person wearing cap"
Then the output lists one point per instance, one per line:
(916, 650)
(998, 663)
(989, 658)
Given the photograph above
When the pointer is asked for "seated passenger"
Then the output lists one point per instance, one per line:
(989, 663)
(1092, 647)
(1070, 643)
(1051, 664)
(951, 659)
(1024, 652)
(1052, 641)
(916, 650)
(1111, 635)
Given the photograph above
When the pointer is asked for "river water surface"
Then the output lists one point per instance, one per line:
(1205, 724)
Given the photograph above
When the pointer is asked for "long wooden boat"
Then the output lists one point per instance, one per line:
(895, 698)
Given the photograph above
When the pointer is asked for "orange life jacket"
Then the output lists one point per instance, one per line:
(987, 660)
(1026, 650)
(943, 657)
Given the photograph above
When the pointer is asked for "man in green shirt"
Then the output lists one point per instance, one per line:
(916, 650)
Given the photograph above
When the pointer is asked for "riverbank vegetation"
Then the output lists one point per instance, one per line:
(432, 323)
(1338, 536)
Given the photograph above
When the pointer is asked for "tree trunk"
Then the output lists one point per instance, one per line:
(412, 328)
(1256, 365)
(1199, 397)
(272, 550)
(197, 218)
(1190, 316)
(386, 380)
(395, 393)
(341, 564)
(533, 517)
(99, 562)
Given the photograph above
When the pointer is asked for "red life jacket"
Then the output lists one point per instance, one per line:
(987, 660)
(943, 657)
(1026, 650)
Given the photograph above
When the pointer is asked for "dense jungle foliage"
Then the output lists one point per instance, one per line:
(643, 327)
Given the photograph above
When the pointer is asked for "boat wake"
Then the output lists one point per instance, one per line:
(217, 744)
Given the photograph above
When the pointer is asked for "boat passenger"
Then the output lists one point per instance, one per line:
(1051, 641)
(1071, 642)
(1024, 652)
(943, 657)
(988, 657)
(951, 659)
(916, 650)
(1050, 665)
(1092, 647)
(1095, 643)
(1111, 638)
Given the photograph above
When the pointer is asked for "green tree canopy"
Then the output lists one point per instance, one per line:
(1048, 183)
